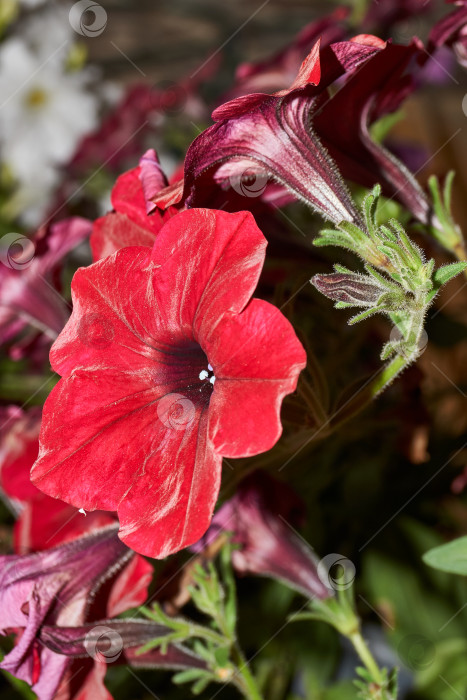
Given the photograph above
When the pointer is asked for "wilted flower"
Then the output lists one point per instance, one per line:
(260, 516)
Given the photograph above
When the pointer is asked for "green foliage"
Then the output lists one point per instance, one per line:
(450, 557)
(216, 642)
(399, 281)
(444, 228)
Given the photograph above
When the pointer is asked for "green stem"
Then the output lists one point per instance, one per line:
(205, 633)
(247, 683)
(366, 657)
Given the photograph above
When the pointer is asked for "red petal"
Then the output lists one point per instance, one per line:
(256, 358)
(115, 231)
(131, 344)
(217, 257)
(131, 586)
(162, 480)
(309, 73)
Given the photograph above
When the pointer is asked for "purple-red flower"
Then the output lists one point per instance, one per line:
(56, 587)
(262, 516)
(307, 138)
(271, 136)
(190, 369)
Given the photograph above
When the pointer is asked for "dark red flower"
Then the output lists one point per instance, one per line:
(194, 370)
(262, 516)
(300, 138)
(271, 137)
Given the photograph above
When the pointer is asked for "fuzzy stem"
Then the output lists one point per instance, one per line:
(247, 683)
(366, 658)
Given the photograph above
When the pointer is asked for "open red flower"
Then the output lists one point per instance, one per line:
(190, 369)
(129, 224)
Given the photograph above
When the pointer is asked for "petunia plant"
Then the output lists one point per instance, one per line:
(176, 505)
(398, 282)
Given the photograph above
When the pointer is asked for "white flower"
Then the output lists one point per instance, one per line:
(32, 3)
(44, 110)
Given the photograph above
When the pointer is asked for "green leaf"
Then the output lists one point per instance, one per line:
(363, 315)
(191, 674)
(222, 655)
(451, 557)
(448, 272)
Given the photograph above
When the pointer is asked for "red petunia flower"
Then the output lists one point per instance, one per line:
(42, 522)
(129, 223)
(190, 369)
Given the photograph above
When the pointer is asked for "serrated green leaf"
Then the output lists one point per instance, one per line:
(450, 557)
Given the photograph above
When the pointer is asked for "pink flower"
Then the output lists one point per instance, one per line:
(190, 369)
